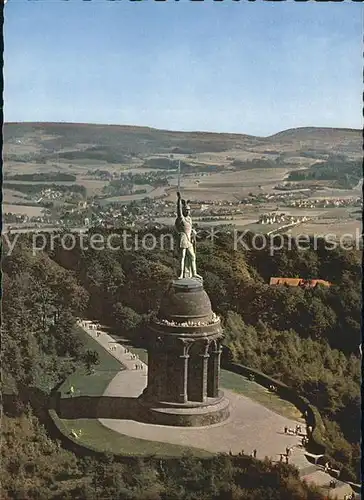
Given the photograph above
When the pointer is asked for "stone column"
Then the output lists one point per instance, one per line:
(205, 359)
(184, 378)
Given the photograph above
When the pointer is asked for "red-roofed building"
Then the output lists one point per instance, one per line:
(307, 283)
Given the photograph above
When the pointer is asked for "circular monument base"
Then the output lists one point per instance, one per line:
(190, 414)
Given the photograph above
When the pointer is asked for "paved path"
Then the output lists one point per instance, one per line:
(250, 425)
(320, 478)
(129, 382)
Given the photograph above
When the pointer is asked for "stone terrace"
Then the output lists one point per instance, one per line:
(250, 425)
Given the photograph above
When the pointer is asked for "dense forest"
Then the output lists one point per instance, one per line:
(35, 189)
(42, 177)
(96, 153)
(307, 338)
(343, 172)
(257, 163)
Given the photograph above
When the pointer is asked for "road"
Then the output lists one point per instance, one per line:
(10, 229)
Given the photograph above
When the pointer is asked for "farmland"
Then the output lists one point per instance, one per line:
(217, 169)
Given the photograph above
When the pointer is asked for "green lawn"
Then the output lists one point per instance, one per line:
(94, 434)
(96, 383)
(242, 385)
(107, 361)
(85, 384)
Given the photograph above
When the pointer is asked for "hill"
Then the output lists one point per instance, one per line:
(44, 142)
(311, 133)
(51, 137)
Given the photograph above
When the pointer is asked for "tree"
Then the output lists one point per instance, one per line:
(90, 358)
(125, 318)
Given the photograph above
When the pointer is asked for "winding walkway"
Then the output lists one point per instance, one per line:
(250, 426)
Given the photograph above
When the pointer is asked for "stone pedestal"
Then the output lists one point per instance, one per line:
(184, 360)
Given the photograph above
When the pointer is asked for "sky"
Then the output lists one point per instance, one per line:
(240, 67)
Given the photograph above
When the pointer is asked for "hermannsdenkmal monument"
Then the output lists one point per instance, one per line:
(185, 345)
(175, 399)
(186, 240)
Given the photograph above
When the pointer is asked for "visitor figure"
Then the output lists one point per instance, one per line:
(187, 236)
(255, 453)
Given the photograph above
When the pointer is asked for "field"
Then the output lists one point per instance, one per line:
(12, 196)
(151, 193)
(22, 209)
(81, 148)
(90, 184)
(334, 220)
(323, 227)
(339, 193)
(229, 186)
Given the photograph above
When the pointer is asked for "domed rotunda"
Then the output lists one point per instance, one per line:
(184, 360)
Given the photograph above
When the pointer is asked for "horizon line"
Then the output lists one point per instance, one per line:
(347, 129)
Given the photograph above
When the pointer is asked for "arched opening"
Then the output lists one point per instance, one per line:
(213, 371)
(196, 382)
(163, 369)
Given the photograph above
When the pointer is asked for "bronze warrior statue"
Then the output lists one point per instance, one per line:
(187, 240)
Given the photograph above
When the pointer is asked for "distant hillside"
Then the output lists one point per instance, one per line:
(343, 173)
(43, 142)
(313, 133)
(52, 137)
